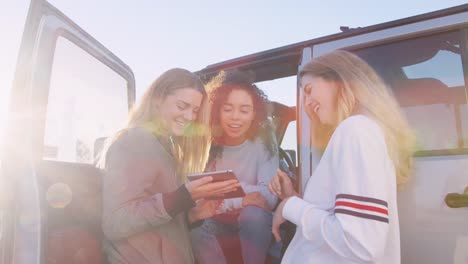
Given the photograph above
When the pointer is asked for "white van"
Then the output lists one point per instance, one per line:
(70, 92)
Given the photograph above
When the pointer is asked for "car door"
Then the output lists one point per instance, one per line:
(69, 93)
(428, 77)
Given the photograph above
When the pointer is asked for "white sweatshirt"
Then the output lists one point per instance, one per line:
(349, 211)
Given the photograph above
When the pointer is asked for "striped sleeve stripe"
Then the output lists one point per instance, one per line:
(362, 199)
(364, 207)
(361, 215)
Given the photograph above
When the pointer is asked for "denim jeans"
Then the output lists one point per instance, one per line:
(253, 227)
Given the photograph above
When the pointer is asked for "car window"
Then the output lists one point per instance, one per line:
(283, 91)
(79, 88)
(426, 76)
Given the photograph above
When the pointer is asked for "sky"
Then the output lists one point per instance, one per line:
(152, 36)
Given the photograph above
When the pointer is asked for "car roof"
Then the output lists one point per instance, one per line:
(282, 61)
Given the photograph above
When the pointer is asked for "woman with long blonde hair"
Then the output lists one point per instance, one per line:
(348, 213)
(147, 201)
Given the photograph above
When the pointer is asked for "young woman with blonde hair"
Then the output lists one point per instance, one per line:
(348, 213)
(147, 201)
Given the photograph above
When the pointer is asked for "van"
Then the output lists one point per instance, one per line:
(70, 93)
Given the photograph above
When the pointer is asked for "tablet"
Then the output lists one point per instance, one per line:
(217, 177)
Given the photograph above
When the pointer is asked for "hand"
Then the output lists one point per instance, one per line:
(205, 187)
(256, 199)
(278, 219)
(204, 209)
(281, 186)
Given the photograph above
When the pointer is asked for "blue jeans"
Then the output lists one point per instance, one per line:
(253, 227)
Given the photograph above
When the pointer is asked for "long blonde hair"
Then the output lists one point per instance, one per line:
(193, 146)
(362, 90)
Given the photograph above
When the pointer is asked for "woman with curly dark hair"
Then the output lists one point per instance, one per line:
(243, 142)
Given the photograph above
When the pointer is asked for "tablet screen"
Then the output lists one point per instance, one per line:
(220, 176)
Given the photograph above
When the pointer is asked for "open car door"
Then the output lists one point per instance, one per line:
(69, 93)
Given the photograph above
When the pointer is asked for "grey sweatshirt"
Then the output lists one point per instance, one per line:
(253, 166)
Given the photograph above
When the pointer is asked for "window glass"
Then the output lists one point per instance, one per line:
(87, 101)
(426, 76)
(283, 91)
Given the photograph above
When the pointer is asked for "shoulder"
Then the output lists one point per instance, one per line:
(358, 134)
(136, 140)
(359, 127)
(258, 144)
(263, 151)
(136, 136)
(358, 123)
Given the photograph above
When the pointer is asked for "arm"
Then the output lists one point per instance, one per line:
(129, 208)
(357, 227)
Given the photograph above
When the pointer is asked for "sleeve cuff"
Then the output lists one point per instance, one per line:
(303, 215)
(177, 201)
(297, 211)
(294, 209)
(237, 203)
(232, 203)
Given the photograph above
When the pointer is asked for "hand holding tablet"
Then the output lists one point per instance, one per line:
(220, 178)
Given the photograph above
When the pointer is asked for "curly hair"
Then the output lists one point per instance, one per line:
(219, 88)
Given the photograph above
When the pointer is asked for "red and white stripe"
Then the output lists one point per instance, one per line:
(360, 206)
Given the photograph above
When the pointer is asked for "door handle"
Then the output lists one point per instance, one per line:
(457, 200)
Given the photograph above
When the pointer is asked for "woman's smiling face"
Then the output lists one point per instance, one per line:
(236, 117)
(320, 98)
(179, 109)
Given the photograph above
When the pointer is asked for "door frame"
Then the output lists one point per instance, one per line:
(23, 223)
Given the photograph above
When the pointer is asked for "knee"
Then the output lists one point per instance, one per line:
(255, 216)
